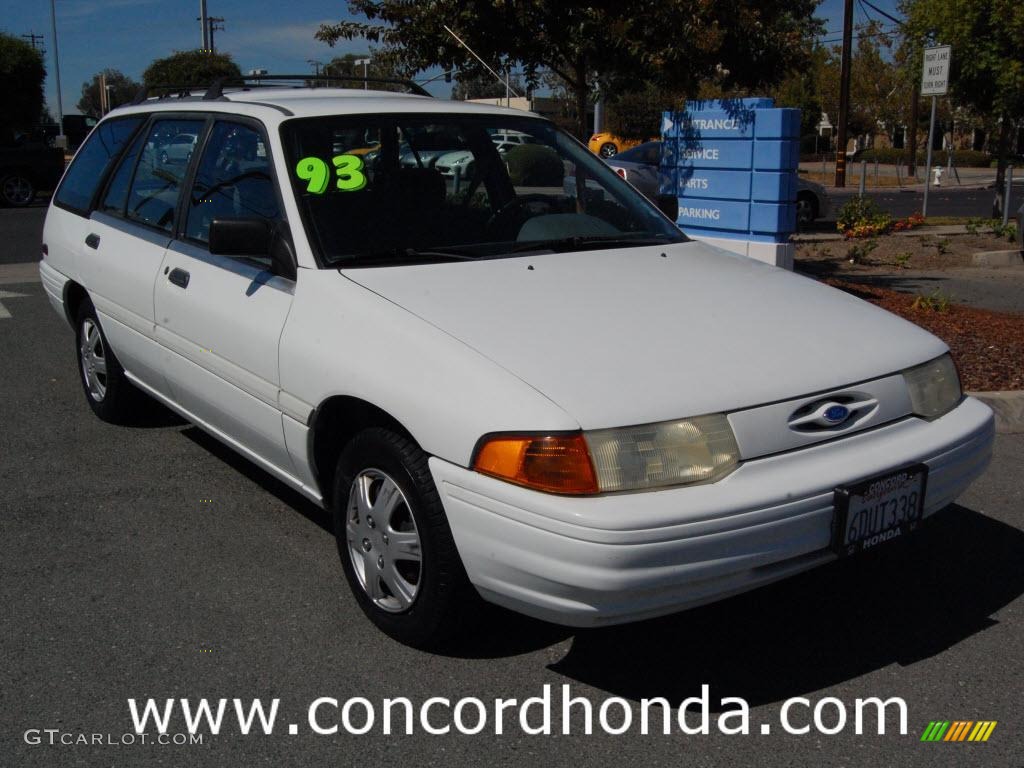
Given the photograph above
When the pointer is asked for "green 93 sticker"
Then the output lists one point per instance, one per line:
(348, 173)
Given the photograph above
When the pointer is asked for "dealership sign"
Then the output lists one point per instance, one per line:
(732, 165)
(935, 72)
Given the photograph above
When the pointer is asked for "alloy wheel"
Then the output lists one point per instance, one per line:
(94, 360)
(383, 541)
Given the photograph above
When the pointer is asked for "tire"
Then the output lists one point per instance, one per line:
(806, 209)
(608, 149)
(421, 602)
(107, 390)
(17, 190)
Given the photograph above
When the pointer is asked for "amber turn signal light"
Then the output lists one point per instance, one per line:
(550, 463)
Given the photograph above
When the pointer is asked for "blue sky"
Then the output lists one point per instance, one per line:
(128, 34)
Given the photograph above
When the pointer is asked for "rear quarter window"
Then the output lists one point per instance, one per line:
(92, 162)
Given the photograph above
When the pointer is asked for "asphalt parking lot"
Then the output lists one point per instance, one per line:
(149, 561)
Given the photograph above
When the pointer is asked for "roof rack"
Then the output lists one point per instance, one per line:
(216, 89)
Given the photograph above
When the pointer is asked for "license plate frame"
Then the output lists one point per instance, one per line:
(851, 496)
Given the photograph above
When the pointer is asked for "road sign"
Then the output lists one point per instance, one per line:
(935, 72)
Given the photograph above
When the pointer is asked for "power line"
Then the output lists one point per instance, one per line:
(893, 19)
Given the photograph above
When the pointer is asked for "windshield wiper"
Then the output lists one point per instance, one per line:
(585, 242)
(400, 256)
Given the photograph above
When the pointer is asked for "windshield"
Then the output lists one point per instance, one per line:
(377, 190)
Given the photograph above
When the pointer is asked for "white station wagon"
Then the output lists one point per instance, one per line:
(505, 388)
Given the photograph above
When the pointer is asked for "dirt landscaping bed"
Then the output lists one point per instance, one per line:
(988, 346)
(899, 252)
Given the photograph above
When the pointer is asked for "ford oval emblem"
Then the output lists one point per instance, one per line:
(836, 414)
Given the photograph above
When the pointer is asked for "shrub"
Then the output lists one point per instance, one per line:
(534, 165)
(936, 301)
(860, 217)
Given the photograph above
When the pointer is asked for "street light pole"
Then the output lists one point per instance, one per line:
(205, 25)
(56, 71)
(844, 94)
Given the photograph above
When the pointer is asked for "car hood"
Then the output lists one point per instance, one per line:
(631, 336)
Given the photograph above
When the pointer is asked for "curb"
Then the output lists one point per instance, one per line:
(1008, 408)
(924, 231)
(1008, 258)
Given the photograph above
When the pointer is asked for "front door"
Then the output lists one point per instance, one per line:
(221, 317)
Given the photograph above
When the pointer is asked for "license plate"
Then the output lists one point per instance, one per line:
(878, 509)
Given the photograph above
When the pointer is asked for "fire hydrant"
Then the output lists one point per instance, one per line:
(937, 170)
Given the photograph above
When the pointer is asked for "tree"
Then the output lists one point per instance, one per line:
(21, 82)
(190, 68)
(346, 65)
(611, 47)
(484, 86)
(987, 68)
(637, 114)
(122, 90)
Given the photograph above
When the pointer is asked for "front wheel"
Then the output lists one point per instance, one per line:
(395, 545)
(17, 190)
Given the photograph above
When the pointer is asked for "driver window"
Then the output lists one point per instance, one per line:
(233, 181)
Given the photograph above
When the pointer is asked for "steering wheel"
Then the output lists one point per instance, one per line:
(505, 216)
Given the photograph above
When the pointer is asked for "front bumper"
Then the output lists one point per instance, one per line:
(622, 557)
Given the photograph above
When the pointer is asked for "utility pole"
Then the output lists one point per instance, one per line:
(216, 22)
(915, 110)
(61, 138)
(204, 25)
(844, 94)
(36, 41)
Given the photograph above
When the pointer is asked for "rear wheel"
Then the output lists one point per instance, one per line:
(107, 390)
(608, 149)
(806, 209)
(395, 545)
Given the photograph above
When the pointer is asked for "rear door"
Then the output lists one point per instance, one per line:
(124, 244)
(222, 317)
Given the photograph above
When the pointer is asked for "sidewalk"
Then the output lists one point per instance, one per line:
(969, 177)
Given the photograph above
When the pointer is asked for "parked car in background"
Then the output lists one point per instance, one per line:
(812, 202)
(178, 149)
(512, 137)
(27, 168)
(639, 166)
(608, 144)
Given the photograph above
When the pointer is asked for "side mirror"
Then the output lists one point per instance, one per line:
(669, 205)
(257, 238)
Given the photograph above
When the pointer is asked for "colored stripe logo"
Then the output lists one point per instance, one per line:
(958, 730)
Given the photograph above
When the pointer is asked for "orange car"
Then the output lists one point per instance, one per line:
(608, 144)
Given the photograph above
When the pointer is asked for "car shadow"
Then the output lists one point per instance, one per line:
(898, 605)
(263, 479)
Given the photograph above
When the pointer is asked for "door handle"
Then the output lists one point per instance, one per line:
(92, 240)
(179, 277)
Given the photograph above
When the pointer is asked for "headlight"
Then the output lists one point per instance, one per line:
(934, 387)
(698, 450)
